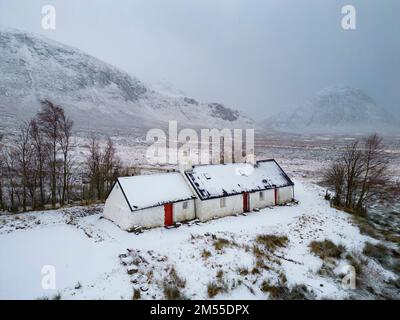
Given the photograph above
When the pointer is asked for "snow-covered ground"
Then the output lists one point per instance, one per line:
(94, 259)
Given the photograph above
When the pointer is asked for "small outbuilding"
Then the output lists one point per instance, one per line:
(228, 189)
(150, 201)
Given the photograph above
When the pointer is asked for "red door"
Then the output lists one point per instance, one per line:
(168, 215)
(276, 196)
(246, 202)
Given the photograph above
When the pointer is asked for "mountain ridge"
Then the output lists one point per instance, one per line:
(95, 94)
(335, 109)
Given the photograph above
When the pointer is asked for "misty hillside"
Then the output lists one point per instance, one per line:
(337, 109)
(95, 94)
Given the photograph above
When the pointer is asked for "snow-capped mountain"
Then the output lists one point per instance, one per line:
(337, 109)
(94, 94)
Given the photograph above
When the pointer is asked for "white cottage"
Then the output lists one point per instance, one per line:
(228, 189)
(149, 201)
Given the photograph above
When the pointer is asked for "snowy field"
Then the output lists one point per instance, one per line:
(94, 259)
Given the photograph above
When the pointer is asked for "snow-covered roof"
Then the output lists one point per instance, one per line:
(152, 190)
(213, 181)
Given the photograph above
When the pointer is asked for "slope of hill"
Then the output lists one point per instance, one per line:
(97, 260)
(95, 94)
(337, 109)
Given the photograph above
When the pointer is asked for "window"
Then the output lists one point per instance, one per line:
(261, 195)
(222, 202)
(185, 205)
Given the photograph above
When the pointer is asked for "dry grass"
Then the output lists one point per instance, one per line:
(365, 227)
(205, 254)
(172, 292)
(326, 249)
(281, 292)
(272, 242)
(221, 243)
(214, 288)
(274, 291)
(243, 271)
(56, 296)
(176, 279)
(136, 294)
(377, 251)
(391, 237)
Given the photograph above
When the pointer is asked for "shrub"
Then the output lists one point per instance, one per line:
(57, 296)
(243, 271)
(365, 227)
(271, 242)
(176, 279)
(326, 249)
(172, 292)
(274, 291)
(214, 288)
(206, 254)
(280, 292)
(136, 294)
(221, 243)
(376, 251)
(300, 292)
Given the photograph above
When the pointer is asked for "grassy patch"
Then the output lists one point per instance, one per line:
(378, 252)
(272, 242)
(221, 243)
(176, 279)
(281, 292)
(205, 254)
(136, 294)
(214, 288)
(326, 249)
(57, 296)
(365, 227)
(172, 292)
(243, 271)
(391, 237)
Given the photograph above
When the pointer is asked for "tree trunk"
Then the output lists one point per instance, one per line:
(53, 177)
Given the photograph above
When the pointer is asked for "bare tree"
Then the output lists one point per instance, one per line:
(49, 122)
(352, 160)
(360, 174)
(102, 168)
(335, 177)
(41, 156)
(93, 167)
(65, 143)
(110, 167)
(1, 173)
(24, 159)
(375, 164)
(11, 175)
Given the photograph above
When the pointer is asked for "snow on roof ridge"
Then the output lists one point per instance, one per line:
(151, 190)
(213, 181)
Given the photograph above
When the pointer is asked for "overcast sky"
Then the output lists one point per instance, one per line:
(259, 56)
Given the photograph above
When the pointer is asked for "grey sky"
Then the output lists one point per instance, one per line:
(259, 56)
